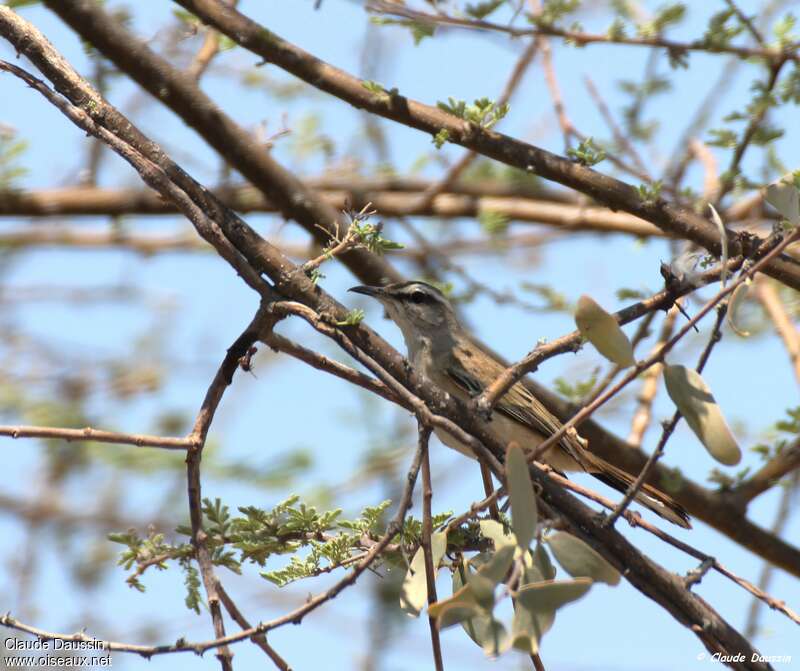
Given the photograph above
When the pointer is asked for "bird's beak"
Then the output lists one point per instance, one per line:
(374, 292)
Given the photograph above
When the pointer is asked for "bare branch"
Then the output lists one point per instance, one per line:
(89, 434)
(579, 37)
(427, 532)
(615, 194)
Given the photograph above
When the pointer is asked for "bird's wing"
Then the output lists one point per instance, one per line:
(518, 403)
(522, 406)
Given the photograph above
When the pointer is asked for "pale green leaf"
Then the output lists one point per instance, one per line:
(536, 606)
(414, 592)
(602, 330)
(783, 195)
(538, 566)
(477, 627)
(580, 560)
(490, 575)
(495, 638)
(520, 491)
(552, 594)
(457, 612)
(494, 531)
(696, 403)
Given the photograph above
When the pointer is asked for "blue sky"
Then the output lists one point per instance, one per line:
(204, 307)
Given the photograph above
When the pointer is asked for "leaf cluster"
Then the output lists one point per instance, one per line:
(484, 112)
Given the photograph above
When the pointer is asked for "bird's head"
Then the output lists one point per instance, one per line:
(420, 310)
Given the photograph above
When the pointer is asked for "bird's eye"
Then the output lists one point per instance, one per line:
(418, 297)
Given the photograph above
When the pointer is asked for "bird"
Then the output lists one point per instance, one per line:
(443, 351)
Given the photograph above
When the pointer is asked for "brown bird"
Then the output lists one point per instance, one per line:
(441, 350)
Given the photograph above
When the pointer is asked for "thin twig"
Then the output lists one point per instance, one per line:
(261, 639)
(493, 392)
(89, 434)
(466, 160)
(620, 139)
(747, 23)
(582, 38)
(205, 416)
(319, 361)
(669, 427)
(767, 569)
(644, 408)
(294, 617)
(636, 520)
(427, 533)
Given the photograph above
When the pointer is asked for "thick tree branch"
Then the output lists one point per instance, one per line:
(452, 204)
(672, 219)
(654, 581)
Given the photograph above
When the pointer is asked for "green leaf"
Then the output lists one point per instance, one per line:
(694, 399)
(580, 560)
(722, 137)
(414, 592)
(495, 531)
(603, 331)
(483, 583)
(539, 568)
(457, 612)
(587, 153)
(527, 629)
(650, 193)
(494, 223)
(523, 501)
(551, 595)
(495, 638)
(784, 196)
(352, 318)
(481, 10)
(536, 606)
(441, 138)
(463, 596)
(419, 29)
(478, 626)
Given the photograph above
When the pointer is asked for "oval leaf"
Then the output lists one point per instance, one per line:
(542, 563)
(694, 399)
(462, 596)
(414, 592)
(547, 597)
(602, 330)
(535, 612)
(490, 575)
(784, 197)
(495, 638)
(457, 613)
(520, 491)
(494, 531)
(580, 560)
(526, 630)
(477, 627)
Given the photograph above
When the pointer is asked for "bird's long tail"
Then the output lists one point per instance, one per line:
(650, 497)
